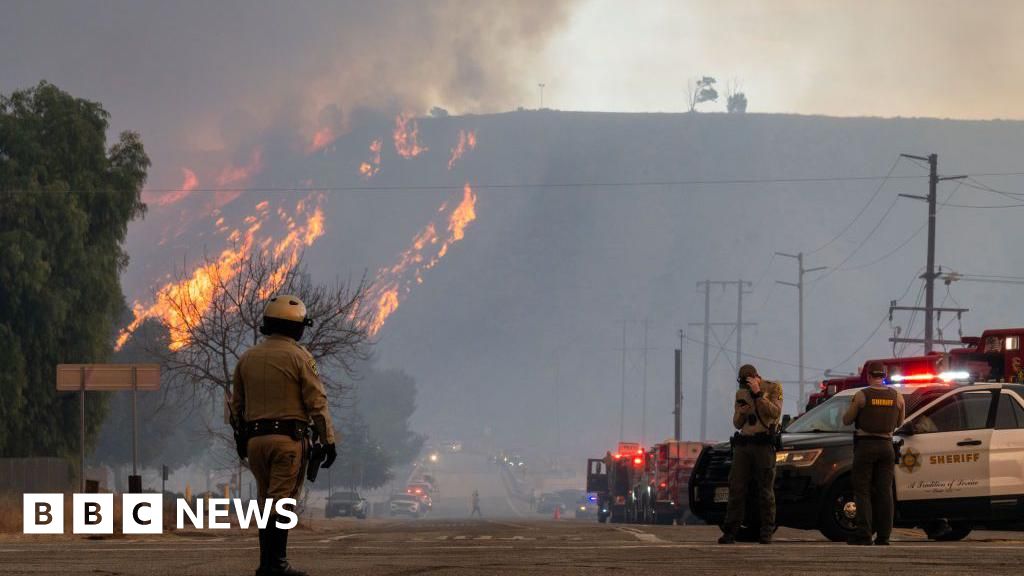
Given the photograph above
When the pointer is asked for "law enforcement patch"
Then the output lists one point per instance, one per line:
(910, 460)
(312, 366)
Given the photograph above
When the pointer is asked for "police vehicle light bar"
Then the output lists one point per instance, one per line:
(945, 377)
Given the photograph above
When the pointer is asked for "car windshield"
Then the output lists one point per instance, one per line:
(825, 417)
(345, 496)
(828, 416)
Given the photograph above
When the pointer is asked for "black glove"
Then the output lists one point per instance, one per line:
(332, 453)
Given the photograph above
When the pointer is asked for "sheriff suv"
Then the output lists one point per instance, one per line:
(961, 465)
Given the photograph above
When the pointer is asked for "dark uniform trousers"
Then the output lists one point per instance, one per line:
(873, 467)
(752, 462)
(277, 462)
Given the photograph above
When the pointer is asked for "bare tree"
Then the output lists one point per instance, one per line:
(212, 322)
(701, 90)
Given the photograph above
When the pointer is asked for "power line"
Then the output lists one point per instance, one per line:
(503, 186)
(754, 356)
(877, 328)
(862, 210)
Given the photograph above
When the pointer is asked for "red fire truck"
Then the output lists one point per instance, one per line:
(611, 480)
(995, 356)
(643, 486)
(661, 494)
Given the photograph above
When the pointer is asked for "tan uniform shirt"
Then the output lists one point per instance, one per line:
(277, 380)
(857, 403)
(768, 406)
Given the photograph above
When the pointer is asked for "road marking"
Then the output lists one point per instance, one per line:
(339, 537)
(641, 535)
(483, 538)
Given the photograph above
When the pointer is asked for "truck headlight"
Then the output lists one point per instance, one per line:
(799, 458)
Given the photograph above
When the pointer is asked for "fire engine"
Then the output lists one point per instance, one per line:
(660, 495)
(995, 356)
(644, 486)
(611, 479)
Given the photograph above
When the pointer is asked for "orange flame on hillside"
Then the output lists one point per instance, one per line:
(323, 138)
(187, 186)
(234, 175)
(371, 168)
(200, 288)
(467, 141)
(406, 137)
(394, 284)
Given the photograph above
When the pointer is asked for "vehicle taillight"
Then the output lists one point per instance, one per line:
(638, 461)
(664, 484)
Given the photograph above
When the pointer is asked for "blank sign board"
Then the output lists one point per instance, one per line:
(107, 377)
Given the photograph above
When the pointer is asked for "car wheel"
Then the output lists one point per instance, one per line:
(943, 531)
(618, 516)
(837, 519)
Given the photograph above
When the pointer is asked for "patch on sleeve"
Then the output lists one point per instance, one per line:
(312, 366)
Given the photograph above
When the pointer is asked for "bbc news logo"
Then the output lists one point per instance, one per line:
(144, 513)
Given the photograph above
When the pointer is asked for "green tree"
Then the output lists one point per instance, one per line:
(387, 400)
(66, 203)
(362, 461)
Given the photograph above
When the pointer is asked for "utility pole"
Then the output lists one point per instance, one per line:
(799, 285)
(541, 86)
(741, 285)
(929, 273)
(643, 395)
(678, 396)
(622, 403)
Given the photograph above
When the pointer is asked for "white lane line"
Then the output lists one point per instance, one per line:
(642, 536)
(339, 537)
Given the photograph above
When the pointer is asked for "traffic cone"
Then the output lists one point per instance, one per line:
(558, 512)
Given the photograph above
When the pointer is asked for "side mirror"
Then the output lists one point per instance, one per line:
(786, 419)
(905, 430)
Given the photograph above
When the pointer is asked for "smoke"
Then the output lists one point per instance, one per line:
(213, 77)
(916, 58)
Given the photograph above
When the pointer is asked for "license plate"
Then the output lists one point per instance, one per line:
(722, 494)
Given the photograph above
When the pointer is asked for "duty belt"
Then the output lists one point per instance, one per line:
(759, 438)
(294, 428)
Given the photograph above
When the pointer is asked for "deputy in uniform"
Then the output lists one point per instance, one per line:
(877, 411)
(276, 397)
(756, 417)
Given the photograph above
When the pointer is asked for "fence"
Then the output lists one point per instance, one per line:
(33, 475)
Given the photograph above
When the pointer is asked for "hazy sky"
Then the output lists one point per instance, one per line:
(937, 58)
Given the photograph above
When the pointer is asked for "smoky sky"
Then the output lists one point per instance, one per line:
(517, 333)
(212, 76)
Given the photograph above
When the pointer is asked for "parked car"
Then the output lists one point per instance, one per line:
(346, 504)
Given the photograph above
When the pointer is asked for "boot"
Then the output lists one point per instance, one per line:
(277, 556)
(728, 535)
(265, 547)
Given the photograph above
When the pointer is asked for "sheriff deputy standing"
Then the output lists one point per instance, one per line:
(756, 417)
(276, 396)
(877, 411)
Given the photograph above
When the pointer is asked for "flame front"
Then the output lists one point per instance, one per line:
(322, 138)
(393, 284)
(467, 141)
(371, 168)
(189, 184)
(200, 288)
(406, 137)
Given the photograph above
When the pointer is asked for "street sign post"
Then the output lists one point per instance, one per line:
(108, 378)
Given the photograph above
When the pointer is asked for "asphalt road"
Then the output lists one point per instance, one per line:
(447, 546)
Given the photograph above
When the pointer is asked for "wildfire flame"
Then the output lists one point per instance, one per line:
(189, 184)
(200, 288)
(406, 137)
(467, 141)
(234, 175)
(323, 138)
(394, 283)
(371, 168)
